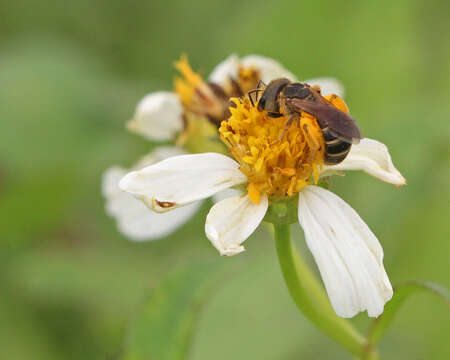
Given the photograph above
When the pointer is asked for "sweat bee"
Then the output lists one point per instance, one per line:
(281, 97)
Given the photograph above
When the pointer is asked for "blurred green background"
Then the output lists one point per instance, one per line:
(70, 76)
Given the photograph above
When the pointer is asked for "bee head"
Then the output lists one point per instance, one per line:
(296, 90)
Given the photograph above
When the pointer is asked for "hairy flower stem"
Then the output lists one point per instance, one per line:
(311, 299)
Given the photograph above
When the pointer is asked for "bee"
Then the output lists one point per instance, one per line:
(281, 97)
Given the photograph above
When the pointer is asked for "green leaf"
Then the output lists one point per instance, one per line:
(401, 293)
(164, 327)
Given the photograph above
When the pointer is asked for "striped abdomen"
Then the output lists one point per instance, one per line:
(335, 149)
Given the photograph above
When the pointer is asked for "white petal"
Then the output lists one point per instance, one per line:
(180, 180)
(348, 254)
(158, 116)
(110, 181)
(134, 219)
(372, 157)
(269, 68)
(225, 70)
(328, 86)
(139, 223)
(231, 221)
(225, 194)
(112, 176)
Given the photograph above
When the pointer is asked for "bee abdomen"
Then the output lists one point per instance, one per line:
(335, 149)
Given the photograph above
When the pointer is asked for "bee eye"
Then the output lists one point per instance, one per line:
(292, 90)
(303, 93)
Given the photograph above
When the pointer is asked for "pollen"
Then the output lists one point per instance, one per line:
(276, 163)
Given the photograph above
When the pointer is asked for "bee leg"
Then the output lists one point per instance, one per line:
(253, 99)
(287, 126)
(260, 84)
(312, 143)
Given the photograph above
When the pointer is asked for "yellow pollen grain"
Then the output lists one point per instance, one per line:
(277, 168)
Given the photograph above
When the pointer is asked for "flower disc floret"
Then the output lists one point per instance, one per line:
(195, 94)
(276, 161)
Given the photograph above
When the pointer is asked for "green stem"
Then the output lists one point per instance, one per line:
(311, 300)
(371, 355)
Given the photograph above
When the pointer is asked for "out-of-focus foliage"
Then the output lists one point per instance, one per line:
(165, 325)
(71, 74)
(401, 294)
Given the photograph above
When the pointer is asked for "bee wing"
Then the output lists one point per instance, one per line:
(339, 123)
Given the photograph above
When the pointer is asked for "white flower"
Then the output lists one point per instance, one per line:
(134, 219)
(269, 70)
(348, 254)
(158, 116)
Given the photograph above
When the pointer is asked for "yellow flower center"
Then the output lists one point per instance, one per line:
(275, 167)
(248, 78)
(185, 87)
(195, 94)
